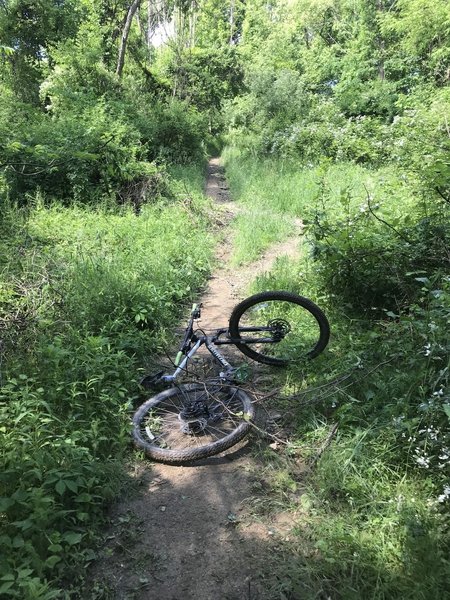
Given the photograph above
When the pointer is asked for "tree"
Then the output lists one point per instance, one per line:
(125, 33)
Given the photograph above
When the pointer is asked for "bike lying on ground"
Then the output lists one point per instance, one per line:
(195, 420)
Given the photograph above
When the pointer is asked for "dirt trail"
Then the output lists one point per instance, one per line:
(228, 284)
(189, 532)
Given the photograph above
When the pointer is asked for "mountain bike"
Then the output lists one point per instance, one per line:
(191, 421)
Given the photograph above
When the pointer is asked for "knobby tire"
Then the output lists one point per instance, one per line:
(291, 303)
(232, 406)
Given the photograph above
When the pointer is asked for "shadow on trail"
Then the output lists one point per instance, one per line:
(188, 533)
(197, 532)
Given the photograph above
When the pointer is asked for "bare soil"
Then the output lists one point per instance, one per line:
(192, 532)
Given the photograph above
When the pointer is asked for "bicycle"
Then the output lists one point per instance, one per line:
(192, 421)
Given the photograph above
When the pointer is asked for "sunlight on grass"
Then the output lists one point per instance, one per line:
(255, 231)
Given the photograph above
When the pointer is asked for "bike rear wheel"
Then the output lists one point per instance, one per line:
(192, 421)
(289, 328)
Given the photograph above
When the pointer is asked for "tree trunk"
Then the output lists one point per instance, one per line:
(380, 43)
(125, 33)
(149, 23)
(231, 22)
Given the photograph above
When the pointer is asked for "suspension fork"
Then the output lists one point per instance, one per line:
(183, 363)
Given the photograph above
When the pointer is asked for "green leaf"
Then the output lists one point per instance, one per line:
(446, 408)
(72, 485)
(18, 542)
(5, 541)
(60, 487)
(84, 498)
(24, 573)
(72, 538)
(52, 561)
(6, 586)
(6, 503)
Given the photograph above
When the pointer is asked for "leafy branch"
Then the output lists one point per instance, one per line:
(372, 212)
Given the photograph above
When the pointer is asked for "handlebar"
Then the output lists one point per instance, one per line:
(196, 312)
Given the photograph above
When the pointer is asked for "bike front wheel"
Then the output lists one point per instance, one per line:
(276, 328)
(192, 421)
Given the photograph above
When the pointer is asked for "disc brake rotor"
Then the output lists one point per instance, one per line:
(193, 426)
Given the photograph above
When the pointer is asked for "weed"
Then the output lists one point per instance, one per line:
(255, 231)
(376, 500)
(87, 296)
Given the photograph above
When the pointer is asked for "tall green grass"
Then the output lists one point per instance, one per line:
(288, 188)
(373, 510)
(255, 230)
(86, 298)
(273, 193)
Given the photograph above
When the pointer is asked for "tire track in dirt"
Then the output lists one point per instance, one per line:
(189, 532)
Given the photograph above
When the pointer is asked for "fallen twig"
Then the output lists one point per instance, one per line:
(325, 445)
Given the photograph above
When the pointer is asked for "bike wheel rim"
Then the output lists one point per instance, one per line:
(299, 342)
(162, 427)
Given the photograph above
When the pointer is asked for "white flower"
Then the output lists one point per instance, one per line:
(445, 495)
(423, 461)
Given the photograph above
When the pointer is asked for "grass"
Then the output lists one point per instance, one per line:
(86, 297)
(256, 230)
(287, 188)
(273, 193)
(372, 513)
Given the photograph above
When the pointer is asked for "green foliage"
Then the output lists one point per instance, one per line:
(347, 102)
(32, 29)
(374, 515)
(370, 257)
(93, 137)
(366, 532)
(333, 78)
(83, 306)
(92, 150)
(205, 77)
(255, 231)
(421, 140)
(219, 23)
(374, 510)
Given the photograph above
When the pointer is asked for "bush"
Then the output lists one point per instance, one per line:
(83, 310)
(369, 258)
(107, 141)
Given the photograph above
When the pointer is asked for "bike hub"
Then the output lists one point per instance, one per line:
(194, 418)
(279, 328)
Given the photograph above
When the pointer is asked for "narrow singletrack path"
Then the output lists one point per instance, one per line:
(190, 532)
(228, 284)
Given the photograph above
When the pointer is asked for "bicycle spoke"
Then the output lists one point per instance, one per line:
(217, 412)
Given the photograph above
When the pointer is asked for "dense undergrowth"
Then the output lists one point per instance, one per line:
(336, 113)
(87, 295)
(375, 256)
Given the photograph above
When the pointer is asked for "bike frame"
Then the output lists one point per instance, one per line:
(187, 350)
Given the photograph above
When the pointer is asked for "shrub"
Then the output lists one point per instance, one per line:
(83, 310)
(369, 259)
